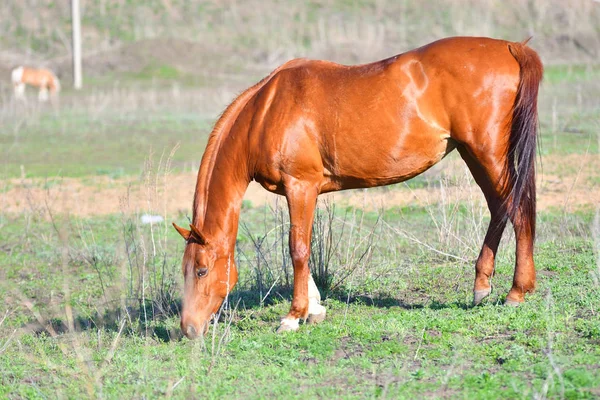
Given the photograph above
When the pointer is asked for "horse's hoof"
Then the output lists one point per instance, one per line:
(288, 325)
(316, 312)
(512, 303)
(316, 318)
(479, 295)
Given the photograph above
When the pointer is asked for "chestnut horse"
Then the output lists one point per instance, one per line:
(43, 79)
(313, 127)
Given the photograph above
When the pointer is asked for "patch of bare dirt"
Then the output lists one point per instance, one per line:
(566, 182)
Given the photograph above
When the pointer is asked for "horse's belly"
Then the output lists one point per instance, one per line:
(376, 166)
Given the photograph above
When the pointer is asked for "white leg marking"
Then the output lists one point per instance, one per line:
(20, 91)
(313, 291)
(314, 308)
(316, 312)
(43, 95)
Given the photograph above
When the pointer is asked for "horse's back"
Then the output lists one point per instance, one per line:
(384, 122)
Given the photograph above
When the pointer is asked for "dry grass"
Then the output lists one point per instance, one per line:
(595, 229)
(267, 33)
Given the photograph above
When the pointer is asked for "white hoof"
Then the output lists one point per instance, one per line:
(288, 325)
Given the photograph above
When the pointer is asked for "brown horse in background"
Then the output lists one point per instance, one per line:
(44, 79)
(313, 127)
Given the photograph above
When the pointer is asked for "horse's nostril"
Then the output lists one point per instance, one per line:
(191, 332)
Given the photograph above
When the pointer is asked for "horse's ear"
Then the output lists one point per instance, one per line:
(182, 231)
(197, 235)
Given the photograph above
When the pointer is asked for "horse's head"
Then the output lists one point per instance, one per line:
(209, 275)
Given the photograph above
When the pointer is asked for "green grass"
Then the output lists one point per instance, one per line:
(554, 74)
(403, 332)
(568, 109)
(76, 144)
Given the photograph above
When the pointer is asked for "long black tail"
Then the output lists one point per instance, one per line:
(522, 146)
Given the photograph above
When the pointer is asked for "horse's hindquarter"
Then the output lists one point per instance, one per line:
(477, 82)
(370, 125)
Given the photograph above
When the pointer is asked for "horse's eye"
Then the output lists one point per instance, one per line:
(200, 272)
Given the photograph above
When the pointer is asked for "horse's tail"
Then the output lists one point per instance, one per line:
(522, 142)
(17, 75)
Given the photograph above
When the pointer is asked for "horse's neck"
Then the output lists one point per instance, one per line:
(227, 184)
(223, 180)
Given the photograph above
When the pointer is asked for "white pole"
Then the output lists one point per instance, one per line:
(76, 28)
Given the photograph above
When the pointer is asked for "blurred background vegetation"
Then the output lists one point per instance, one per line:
(175, 38)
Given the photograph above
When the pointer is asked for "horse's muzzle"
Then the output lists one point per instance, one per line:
(190, 332)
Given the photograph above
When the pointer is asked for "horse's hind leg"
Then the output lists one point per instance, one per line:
(302, 199)
(524, 278)
(484, 268)
(487, 169)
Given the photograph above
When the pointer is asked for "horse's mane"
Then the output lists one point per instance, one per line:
(217, 136)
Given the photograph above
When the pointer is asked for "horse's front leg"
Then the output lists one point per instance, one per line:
(302, 199)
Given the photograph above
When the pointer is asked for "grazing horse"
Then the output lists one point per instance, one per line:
(313, 127)
(43, 79)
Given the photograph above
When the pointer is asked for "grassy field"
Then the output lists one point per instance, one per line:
(91, 301)
(81, 321)
(91, 295)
